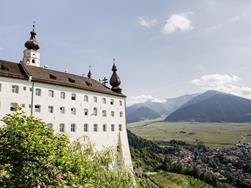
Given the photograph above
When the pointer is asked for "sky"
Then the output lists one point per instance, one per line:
(163, 48)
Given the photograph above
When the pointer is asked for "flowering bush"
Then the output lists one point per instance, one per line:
(32, 155)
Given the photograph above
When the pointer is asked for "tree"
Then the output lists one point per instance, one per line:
(32, 155)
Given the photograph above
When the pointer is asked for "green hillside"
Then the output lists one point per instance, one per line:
(171, 180)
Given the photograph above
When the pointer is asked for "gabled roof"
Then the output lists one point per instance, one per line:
(53, 77)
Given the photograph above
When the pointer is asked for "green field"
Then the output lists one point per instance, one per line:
(211, 134)
(172, 180)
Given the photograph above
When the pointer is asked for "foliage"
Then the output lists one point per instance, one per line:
(32, 155)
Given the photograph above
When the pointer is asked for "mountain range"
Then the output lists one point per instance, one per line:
(153, 110)
(211, 106)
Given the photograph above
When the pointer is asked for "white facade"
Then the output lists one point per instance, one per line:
(31, 57)
(100, 117)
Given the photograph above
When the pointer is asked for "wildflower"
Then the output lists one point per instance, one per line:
(58, 178)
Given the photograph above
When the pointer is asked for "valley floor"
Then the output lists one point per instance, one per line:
(211, 134)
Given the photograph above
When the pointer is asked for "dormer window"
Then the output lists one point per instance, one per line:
(71, 80)
(88, 83)
(53, 77)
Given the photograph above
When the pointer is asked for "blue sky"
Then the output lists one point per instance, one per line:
(163, 48)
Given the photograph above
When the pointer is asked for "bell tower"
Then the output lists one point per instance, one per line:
(31, 53)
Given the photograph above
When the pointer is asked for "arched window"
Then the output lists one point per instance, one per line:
(95, 111)
(104, 100)
(61, 127)
(50, 125)
(104, 127)
(112, 127)
(73, 127)
(86, 98)
(73, 96)
(85, 127)
(104, 113)
(95, 127)
(95, 99)
(86, 112)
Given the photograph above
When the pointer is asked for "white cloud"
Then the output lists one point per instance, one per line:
(147, 23)
(223, 82)
(177, 22)
(142, 98)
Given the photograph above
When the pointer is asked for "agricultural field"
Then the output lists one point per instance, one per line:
(211, 134)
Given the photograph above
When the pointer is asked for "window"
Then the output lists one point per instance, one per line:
(30, 89)
(120, 103)
(37, 108)
(104, 113)
(15, 89)
(53, 77)
(104, 100)
(104, 127)
(95, 99)
(38, 92)
(24, 88)
(112, 113)
(71, 80)
(121, 114)
(112, 127)
(73, 127)
(62, 95)
(50, 125)
(61, 127)
(50, 109)
(95, 111)
(86, 112)
(62, 109)
(73, 111)
(95, 127)
(73, 96)
(120, 127)
(51, 93)
(0, 87)
(86, 98)
(112, 101)
(85, 127)
(23, 105)
(13, 106)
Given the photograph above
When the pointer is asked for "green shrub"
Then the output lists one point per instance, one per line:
(32, 155)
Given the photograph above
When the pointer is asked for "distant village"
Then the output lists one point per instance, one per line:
(223, 163)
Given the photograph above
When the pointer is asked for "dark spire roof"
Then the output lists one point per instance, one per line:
(32, 43)
(115, 80)
(89, 73)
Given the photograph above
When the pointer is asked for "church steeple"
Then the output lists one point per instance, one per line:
(115, 80)
(31, 54)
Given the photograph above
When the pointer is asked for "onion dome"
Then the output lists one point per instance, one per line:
(32, 43)
(115, 80)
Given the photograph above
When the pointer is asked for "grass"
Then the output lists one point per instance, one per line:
(172, 180)
(211, 134)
